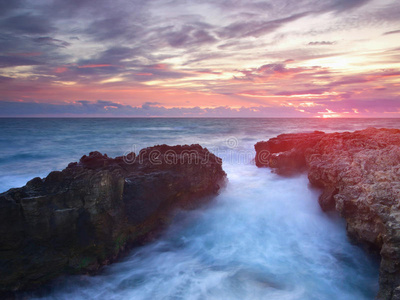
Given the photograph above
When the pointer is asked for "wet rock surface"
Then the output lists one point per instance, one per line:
(359, 174)
(75, 220)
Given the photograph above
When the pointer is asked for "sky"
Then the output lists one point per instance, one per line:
(192, 58)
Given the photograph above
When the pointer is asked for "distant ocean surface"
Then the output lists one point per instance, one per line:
(263, 237)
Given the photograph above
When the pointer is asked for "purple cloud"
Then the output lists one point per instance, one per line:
(321, 43)
(392, 32)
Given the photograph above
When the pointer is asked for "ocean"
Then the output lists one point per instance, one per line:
(263, 237)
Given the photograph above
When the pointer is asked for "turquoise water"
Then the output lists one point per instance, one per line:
(263, 237)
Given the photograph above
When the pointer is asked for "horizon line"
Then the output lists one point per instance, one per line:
(194, 117)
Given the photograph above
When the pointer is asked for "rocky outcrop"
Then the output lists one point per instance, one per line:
(77, 219)
(359, 174)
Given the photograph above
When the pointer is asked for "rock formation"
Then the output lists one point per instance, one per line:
(359, 174)
(77, 219)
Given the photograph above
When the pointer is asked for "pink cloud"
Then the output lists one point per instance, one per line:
(159, 66)
(60, 70)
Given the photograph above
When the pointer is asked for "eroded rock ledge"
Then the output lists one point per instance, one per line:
(359, 173)
(75, 220)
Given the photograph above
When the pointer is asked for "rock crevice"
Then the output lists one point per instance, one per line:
(359, 173)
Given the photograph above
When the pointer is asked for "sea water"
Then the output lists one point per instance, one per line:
(263, 237)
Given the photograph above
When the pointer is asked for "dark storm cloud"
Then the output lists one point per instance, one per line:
(241, 5)
(26, 24)
(113, 56)
(103, 20)
(256, 24)
(190, 36)
(345, 5)
(113, 62)
(41, 24)
(288, 6)
(15, 43)
(256, 28)
(132, 21)
(15, 61)
(102, 65)
(51, 41)
(6, 6)
(113, 28)
(117, 53)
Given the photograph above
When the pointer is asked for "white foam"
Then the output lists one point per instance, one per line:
(264, 237)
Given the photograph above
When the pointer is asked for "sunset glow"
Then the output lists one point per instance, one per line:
(200, 58)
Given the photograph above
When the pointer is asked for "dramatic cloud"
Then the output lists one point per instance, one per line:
(52, 42)
(26, 24)
(256, 28)
(220, 57)
(13, 61)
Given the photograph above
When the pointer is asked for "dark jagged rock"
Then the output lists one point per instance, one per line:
(359, 173)
(85, 216)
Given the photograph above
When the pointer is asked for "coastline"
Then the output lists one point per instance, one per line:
(76, 220)
(359, 174)
(44, 145)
